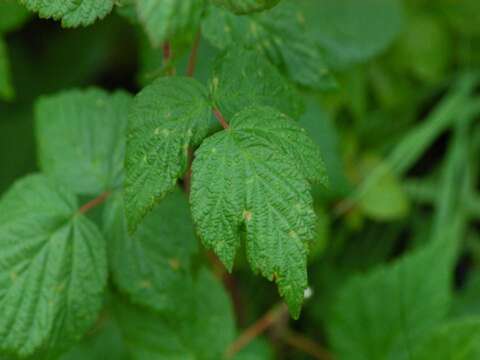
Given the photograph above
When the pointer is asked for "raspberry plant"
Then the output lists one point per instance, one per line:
(256, 142)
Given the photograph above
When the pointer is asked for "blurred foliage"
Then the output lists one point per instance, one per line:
(400, 138)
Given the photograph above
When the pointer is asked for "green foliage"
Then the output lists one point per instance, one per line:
(6, 90)
(166, 118)
(157, 270)
(12, 15)
(353, 31)
(246, 6)
(234, 91)
(200, 331)
(278, 35)
(455, 340)
(85, 128)
(254, 174)
(53, 268)
(163, 19)
(391, 309)
(155, 163)
(72, 13)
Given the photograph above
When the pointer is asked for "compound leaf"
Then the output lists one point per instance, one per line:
(163, 19)
(52, 268)
(254, 81)
(153, 265)
(246, 6)
(279, 33)
(252, 175)
(81, 138)
(167, 117)
(72, 13)
(202, 332)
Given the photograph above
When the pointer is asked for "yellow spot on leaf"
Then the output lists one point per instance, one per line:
(174, 263)
(145, 284)
(247, 215)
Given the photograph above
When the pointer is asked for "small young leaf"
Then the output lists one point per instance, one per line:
(243, 78)
(166, 118)
(280, 34)
(152, 266)
(163, 19)
(52, 268)
(202, 334)
(81, 138)
(72, 13)
(253, 174)
(246, 6)
(6, 90)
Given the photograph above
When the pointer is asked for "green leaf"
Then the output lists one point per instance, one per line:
(387, 199)
(52, 268)
(253, 174)
(81, 138)
(463, 15)
(72, 13)
(103, 343)
(163, 19)
(466, 301)
(456, 340)
(6, 90)
(12, 15)
(166, 118)
(321, 128)
(246, 6)
(259, 349)
(353, 31)
(236, 81)
(152, 266)
(280, 34)
(429, 42)
(203, 334)
(386, 313)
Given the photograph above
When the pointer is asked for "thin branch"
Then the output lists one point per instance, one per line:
(167, 52)
(167, 57)
(306, 345)
(100, 199)
(192, 60)
(220, 118)
(272, 316)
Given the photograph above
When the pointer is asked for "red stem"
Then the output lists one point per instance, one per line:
(94, 203)
(276, 313)
(167, 57)
(192, 60)
(220, 118)
(167, 52)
